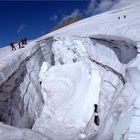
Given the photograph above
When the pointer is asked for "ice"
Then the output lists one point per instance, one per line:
(44, 68)
(11, 133)
(71, 88)
(48, 89)
(70, 102)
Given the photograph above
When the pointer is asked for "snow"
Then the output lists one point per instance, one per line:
(73, 85)
(71, 92)
(11, 133)
(44, 68)
(131, 130)
(106, 24)
(56, 80)
(12, 60)
(20, 102)
(135, 62)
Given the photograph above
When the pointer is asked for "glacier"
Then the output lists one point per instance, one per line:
(48, 90)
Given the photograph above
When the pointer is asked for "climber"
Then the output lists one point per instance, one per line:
(124, 16)
(96, 118)
(25, 41)
(19, 44)
(118, 17)
(22, 43)
(12, 46)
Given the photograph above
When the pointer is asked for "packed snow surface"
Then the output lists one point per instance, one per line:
(107, 24)
(49, 88)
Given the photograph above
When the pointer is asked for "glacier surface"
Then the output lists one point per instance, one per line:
(48, 90)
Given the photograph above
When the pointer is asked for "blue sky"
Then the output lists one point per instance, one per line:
(33, 19)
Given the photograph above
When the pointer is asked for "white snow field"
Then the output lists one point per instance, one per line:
(48, 90)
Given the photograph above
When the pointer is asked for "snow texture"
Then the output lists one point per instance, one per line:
(49, 88)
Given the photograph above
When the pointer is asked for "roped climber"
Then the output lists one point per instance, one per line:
(19, 44)
(25, 41)
(12, 46)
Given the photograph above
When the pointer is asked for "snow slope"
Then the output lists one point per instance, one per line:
(107, 24)
(50, 87)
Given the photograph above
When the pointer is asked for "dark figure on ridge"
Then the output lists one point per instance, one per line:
(19, 44)
(96, 118)
(25, 40)
(12, 46)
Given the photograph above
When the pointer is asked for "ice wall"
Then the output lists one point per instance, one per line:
(20, 95)
(66, 86)
(23, 105)
(125, 49)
